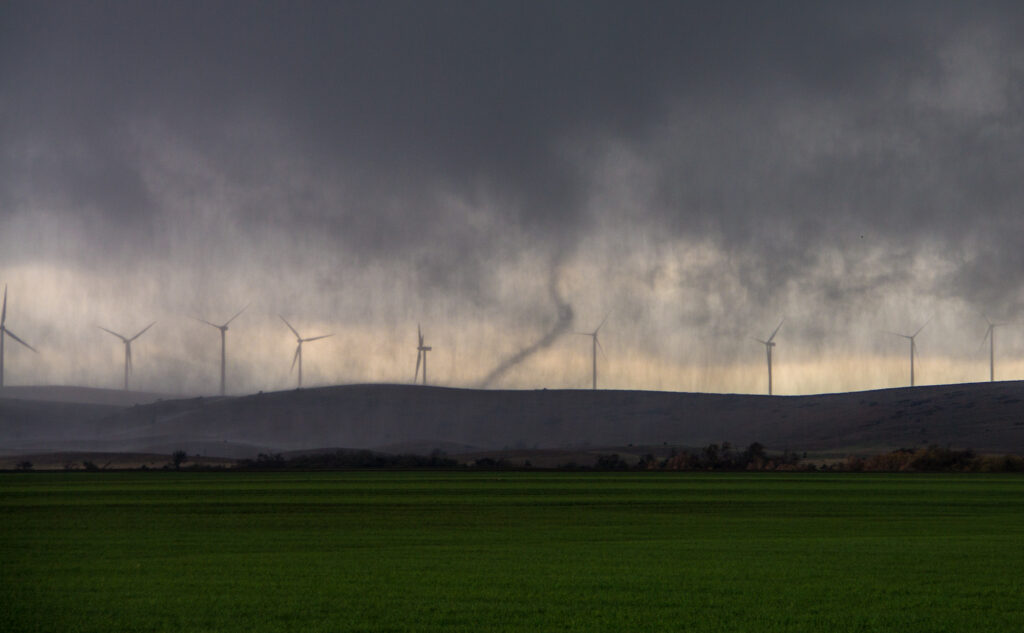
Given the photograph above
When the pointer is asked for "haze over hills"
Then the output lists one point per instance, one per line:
(987, 417)
(82, 395)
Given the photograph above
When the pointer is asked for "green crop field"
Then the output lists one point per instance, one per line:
(429, 551)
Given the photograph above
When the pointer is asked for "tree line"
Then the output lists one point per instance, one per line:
(713, 457)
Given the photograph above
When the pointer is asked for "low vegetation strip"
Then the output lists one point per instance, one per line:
(510, 551)
(714, 457)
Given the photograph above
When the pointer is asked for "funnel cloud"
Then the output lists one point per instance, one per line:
(563, 322)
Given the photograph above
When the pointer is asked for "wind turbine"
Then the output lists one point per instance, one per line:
(595, 344)
(4, 332)
(421, 353)
(127, 349)
(990, 334)
(768, 345)
(223, 345)
(298, 349)
(913, 346)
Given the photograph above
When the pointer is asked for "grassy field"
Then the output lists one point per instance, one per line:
(427, 551)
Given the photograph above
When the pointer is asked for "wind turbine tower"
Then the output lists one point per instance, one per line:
(298, 349)
(223, 347)
(421, 353)
(127, 349)
(913, 347)
(990, 334)
(4, 333)
(594, 345)
(768, 345)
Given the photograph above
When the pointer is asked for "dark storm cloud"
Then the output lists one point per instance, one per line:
(831, 156)
(408, 96)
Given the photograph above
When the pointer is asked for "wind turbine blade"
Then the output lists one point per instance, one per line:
(290, 327)
(759, 340)
(143, 331)
(988, 333)
(112, 332)
(128, 356)
(776, 331)
(12, 335)
(922, 327)
(316, 338)
(987, 320)
(295, 358)
(603, 321)
(3, 317)
(584, 333)
(897, 334)
(237, 314)
(207, 322)
(419, 355)
(600, 347)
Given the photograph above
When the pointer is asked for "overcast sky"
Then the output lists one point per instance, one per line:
(507, 174)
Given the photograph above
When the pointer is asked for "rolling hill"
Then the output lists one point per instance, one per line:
(987, 417)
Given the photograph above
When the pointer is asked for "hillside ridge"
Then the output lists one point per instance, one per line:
(983, 416)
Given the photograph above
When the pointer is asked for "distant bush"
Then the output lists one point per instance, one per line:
(1000, 464)
(610, 462)
(933, 459)
(25, 465)
(270, 459)
(648, 462)
(725, 457)
(345, 460)
(89, 465)
(680, 461)
(853, 464)
(895, 461)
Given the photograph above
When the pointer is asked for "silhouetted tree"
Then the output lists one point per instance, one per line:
(935, 458)
(754, 451)
(270, 459)
(177, 457)
(709, 456)
(611, 462)
(648, 462)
